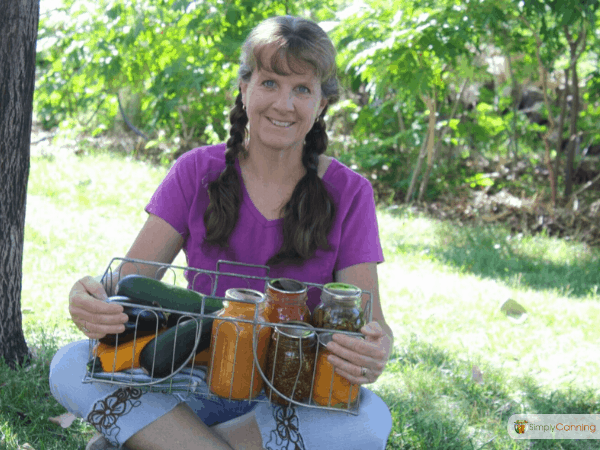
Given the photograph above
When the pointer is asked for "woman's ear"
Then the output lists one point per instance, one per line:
(322, 106)
(243, 89)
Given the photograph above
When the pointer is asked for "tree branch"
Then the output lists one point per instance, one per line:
(586, 186)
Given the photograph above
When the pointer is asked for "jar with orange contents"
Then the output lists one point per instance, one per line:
(286, 300)
(232, 371)
(331, 389)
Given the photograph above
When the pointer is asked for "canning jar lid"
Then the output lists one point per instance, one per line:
(297, 332)
(342, 289)
(287, 285)
(325, 338)
(246, 295)
(341, 292)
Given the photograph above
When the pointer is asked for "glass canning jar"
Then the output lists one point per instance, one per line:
(331, 389)
(232, 372)
(340, 308)
(291, 362)
(286, 300)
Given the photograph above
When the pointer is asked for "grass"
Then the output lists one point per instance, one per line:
(441, 288)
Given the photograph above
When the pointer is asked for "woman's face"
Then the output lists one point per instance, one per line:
(281, 109)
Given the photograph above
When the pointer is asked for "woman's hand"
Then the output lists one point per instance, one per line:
(360, 361)
(90, 313)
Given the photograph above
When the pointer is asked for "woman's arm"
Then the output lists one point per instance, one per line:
(372, 353)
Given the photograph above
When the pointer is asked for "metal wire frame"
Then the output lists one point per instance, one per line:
(187, 371)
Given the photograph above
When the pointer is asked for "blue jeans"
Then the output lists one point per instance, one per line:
(120, 412)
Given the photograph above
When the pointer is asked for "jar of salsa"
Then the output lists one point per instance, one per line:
(331, 389)
(286, 300)
(232, 371)
(340, 308)
(291, 362)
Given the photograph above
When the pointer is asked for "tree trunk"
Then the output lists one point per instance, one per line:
(561, 124)
(417, 170)
(18, 36)
(575, 54)
(432, 105)
(571, 146)
(516, 97)
(551, 122)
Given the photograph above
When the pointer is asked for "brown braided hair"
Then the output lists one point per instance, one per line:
(308, 215)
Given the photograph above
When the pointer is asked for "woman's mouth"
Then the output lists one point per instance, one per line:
(281, 124)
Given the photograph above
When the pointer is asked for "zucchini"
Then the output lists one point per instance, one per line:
(146, 320)
(174, 346)
(167, 296)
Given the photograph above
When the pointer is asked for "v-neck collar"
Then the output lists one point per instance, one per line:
(248, 203)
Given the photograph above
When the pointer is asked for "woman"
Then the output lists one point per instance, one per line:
(269, 196)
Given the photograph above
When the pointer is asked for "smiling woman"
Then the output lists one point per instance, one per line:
(287, 81)
(282, 108)
(268, 196)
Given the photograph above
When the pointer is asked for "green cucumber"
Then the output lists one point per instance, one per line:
(145, 319)
(167, 296)
(171, 353)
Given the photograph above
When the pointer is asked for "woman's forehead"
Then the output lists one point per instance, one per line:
(282, 62)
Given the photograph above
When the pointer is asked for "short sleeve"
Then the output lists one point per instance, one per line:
(173, 198)
(359, 240)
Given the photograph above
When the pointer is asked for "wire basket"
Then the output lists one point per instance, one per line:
(191, 374)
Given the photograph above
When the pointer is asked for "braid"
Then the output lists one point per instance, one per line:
(308, 215)
(221, 215)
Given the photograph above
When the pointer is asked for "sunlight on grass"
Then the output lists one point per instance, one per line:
(441, 301)
(441, 287)
(76, 221)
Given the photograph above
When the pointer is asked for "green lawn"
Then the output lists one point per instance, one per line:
(460, 367)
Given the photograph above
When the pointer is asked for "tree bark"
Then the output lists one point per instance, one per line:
(432, 105)
(575, 54)
(18, 36)
(516, 100)
(419, 164)
(561, 124)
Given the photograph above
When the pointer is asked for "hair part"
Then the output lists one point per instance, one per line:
(308, 215)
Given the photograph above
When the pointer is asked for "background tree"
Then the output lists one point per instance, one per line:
(439, 97)
(18, 35)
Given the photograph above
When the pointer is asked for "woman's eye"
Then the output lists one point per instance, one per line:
(269, 83)
(303, 90)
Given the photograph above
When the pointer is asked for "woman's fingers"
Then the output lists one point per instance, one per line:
(98, 325)
(91, 313)
(360, 361)
(94, 288)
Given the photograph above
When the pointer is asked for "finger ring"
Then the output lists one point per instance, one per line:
(84, 328)
(363, 371)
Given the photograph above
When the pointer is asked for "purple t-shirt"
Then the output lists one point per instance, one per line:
(182, 198)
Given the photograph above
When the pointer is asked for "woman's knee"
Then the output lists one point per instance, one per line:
(377, 424)
(67, 369)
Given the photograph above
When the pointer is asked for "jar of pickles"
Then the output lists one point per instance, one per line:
(232, 371)
(331, 389)
(286, 300)
(340, 308)
(291, 362)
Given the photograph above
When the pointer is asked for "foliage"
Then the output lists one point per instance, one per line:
(177, 60)
(178, 56)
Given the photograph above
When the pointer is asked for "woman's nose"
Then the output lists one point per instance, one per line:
(285, 101)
